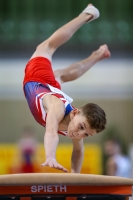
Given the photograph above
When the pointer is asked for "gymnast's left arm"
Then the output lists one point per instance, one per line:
(77, 156)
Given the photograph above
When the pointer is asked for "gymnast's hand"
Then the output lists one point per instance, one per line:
(51, 162)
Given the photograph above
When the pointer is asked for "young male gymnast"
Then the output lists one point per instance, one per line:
(50, 106)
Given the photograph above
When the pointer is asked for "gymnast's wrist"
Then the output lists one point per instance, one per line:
(50, 158)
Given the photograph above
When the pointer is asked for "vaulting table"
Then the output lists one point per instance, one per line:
(64, 186)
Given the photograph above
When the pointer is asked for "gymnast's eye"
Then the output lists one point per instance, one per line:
(86, 135)
(81, 127)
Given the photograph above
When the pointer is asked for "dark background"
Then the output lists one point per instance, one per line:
(24, 24)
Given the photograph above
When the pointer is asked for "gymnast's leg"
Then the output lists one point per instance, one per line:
(63, 34)
(77, 69)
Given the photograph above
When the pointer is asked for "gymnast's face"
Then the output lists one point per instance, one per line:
(78, 127)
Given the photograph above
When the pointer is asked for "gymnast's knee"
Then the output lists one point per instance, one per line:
(42, 46)
(45, 47)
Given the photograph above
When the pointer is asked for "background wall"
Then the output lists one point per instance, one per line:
(15, 115)
(109, 83)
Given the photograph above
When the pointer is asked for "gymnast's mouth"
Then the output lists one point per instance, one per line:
(72, 135)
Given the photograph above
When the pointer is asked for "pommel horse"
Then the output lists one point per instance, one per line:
(61, 186)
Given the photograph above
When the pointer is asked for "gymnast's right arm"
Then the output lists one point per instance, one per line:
(55, 113)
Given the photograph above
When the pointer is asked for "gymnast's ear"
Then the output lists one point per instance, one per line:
(74, 112)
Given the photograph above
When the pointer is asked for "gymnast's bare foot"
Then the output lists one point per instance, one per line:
(102, 52)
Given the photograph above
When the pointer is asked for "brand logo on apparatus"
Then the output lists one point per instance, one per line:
(48, 188)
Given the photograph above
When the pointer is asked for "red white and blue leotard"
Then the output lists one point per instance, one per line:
(39, 81)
